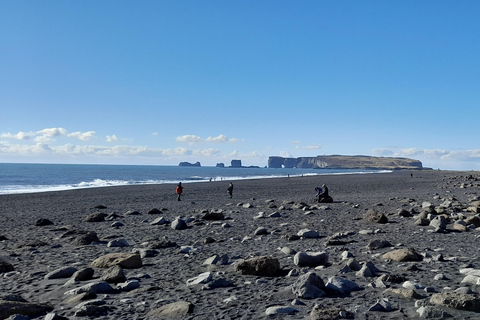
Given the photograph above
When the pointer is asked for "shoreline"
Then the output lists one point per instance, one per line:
(277, 205)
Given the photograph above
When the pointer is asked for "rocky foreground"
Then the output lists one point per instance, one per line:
(391, 246)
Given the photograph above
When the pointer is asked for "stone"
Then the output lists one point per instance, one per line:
(457, 300)
(429, 312)
(402, 255)
(406, 293)
(213, 216)
(261, 231)
(158, 221)
(179, 309)
(310, 259)
(94, 287)
(259, 266)
(375, 216)
(179, 224)
(96, 217)
(382, 305)
(341, 285)
(124, 260)
(119, 243)
(43, 222)
(309, 286)
(306, 233)
(217, 260)
(63, 272)
(154, 211)
(201, 278)
(129, 285)
(280, 310)
(5, 265)
(329, 313)
(378, 244)
(10, 308)
(114, 274)
(83, 274)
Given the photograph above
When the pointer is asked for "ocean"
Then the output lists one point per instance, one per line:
(29, 178)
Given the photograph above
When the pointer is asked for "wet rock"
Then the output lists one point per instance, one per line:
(400, 255)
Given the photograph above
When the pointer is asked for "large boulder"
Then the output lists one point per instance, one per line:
(9, 308)
(5, 265)
(124, 260)
(260, 266)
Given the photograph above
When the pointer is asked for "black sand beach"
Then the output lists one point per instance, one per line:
(171, 259)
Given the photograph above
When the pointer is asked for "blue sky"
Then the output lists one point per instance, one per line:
(159, 82)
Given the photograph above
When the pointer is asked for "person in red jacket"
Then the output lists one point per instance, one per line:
(179, 190)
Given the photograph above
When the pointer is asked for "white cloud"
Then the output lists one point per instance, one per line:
(311, 147)
(191, 139)
(84, 136)
(155, 134)
(19, 136)
(52, 132)
(112, 138)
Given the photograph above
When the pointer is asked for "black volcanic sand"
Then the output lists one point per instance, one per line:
(35, 251)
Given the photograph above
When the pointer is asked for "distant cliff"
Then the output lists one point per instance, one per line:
(188, 164)
(345, 162)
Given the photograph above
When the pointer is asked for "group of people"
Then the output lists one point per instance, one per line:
(179, 190)
(321, 195)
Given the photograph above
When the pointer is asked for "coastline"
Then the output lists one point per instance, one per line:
(34, 251)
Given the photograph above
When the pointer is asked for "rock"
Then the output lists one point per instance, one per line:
(429, 312)
(310, 259)
(329, 313)
(382, 305)
(129, 285)
(217, 283)
(309, 286)
(439, 222)
(158, 222)
(9, 308)
(54, 316)
(178, 310)
(124, 260)
(280, 310)
(83, 274)
(373, 215)
(114, 274)
(402, 255)
(179, 224)
(96, 217)
(94, 287)
(378, 244)
(261, 231)
(457, 300)
(404, 213)
(43, 222)
(213, 216)
(119, 243)
(260, 266)
(406, 293)
(201, 278)
(86, 238)
(216, 260)
(341, 285)
(64, 272)
(5, 265)
(306, 233)
(154, 211)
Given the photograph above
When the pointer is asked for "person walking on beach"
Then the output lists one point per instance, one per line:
(179, 191)
(230, 190)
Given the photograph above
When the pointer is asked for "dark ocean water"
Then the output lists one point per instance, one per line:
(27, 178)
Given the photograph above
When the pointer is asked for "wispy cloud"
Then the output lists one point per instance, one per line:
(112, 138)
(192, 139)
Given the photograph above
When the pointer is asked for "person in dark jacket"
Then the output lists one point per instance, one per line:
(230, 190)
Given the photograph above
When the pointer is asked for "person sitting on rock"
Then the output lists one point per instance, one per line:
(322, 194)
